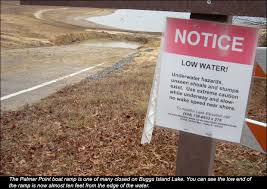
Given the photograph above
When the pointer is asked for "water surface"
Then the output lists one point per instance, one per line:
(154, 21)
(110, 44)
(138, 20)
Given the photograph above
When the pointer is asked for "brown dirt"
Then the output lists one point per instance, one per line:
(262, 38)
(95, 126)
(257, 104)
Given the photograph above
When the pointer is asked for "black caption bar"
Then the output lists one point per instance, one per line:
(98, 182)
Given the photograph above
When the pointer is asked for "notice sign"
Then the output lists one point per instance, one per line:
(205, 76)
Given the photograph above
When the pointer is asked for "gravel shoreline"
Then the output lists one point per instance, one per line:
(117, 67)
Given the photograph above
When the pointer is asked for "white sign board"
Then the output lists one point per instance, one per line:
(204, 77)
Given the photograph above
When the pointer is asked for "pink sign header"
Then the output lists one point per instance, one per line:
(211, 40)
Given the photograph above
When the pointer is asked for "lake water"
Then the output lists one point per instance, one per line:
(153, 21)
(110, 44)
(249, 20)
(137, 20)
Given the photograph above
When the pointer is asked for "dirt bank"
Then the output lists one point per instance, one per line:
(36, 26)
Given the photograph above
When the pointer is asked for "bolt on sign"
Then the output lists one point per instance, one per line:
(204, 76)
